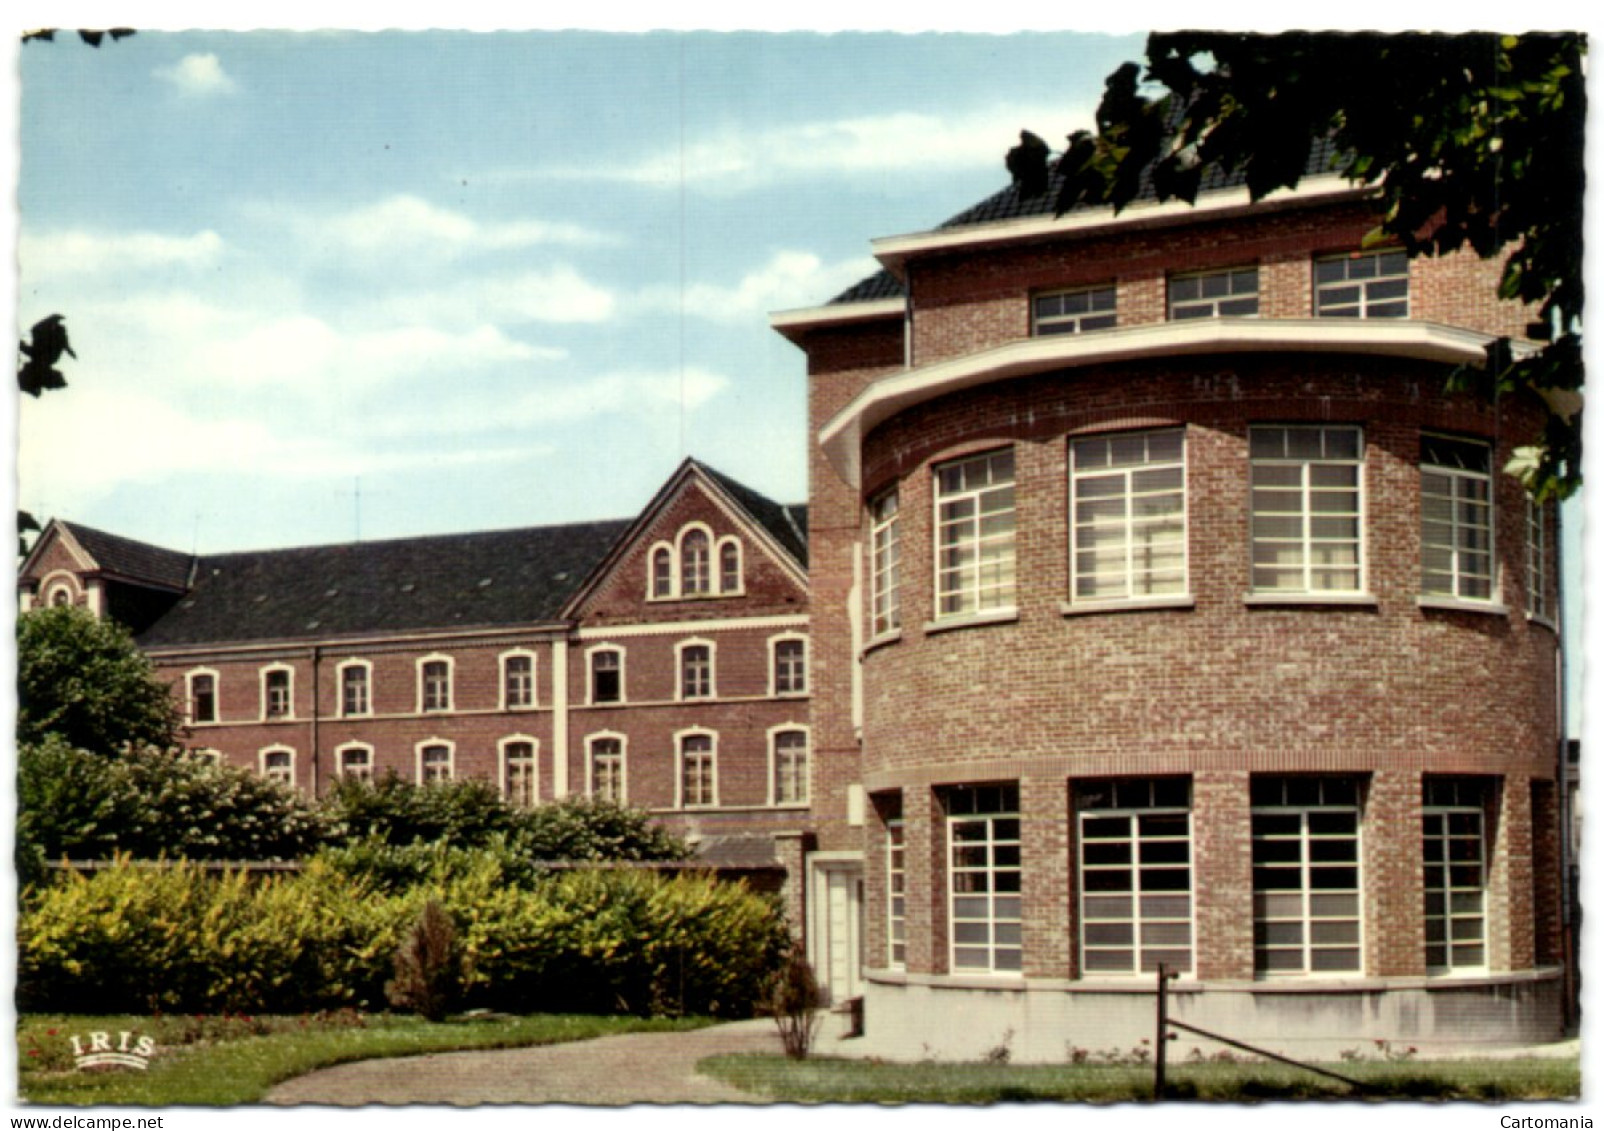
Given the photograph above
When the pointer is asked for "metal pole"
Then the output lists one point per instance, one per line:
(1160, 1043)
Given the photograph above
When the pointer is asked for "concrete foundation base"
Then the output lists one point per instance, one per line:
(913, 1017)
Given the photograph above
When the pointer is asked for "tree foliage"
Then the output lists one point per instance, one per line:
(81, 679)
(1470, 141)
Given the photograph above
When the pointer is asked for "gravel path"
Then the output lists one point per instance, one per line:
(651, 1068)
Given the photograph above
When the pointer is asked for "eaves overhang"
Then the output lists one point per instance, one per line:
(894, 252)
(793, 323)
(842, 435)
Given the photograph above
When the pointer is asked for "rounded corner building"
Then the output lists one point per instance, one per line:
(1167, 610)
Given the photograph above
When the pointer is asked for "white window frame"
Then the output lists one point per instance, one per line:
(665, 588)
(503, 666)
(1231, 287)
(272, 774)
(366, 667)
(680, 673)
(1362, 273)
(269, 715)
(217, 696)
(343, 769)
(1142, 806)
(804, 768)
(997, 909)
(885, 564)
(963, 583)
(1101, 310)
(775, 642)
(1135, 583)
(590, 675)
(1457, 487)
(504, 748)
(729, 542)
(450, 763)
(623, 763)
(1456, 802)
(682, 587)
(208, 756)
(423, 664)
(897, 892)
(1309, 915)
(1537, 560)
(680, 738)
(1310, 472)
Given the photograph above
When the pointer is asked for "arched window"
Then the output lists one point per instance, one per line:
(694, 564)
(729, 566)
(518, 772)
(662, 572)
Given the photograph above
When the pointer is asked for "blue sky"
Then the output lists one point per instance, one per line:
(473, 280)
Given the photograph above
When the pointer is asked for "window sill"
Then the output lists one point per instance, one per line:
(972, 620)
(881, 641)
(1271, 600)
(1131, 605)
(1461, 605)
(1543, 622)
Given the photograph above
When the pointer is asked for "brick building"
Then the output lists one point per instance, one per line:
(661, 662)
(1165, 609)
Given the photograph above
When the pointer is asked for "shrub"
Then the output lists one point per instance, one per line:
(465, 814)
(426, 965)
(583, 828)
(794, 1001)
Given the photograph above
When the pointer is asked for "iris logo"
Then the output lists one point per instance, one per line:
(97, 1050)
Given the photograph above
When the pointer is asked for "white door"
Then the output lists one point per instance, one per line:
(835, 942)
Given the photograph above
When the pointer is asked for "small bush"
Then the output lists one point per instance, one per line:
(427, 975)
(793, 1002)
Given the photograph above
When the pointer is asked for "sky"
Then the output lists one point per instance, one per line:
(328, 286)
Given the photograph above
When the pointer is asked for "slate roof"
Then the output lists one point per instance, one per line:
(484, 580)
(136, 560)
(787, 524)
(1008, 204)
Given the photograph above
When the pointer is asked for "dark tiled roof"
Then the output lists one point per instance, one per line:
(138, 561)
(490, 579)
(736, 852)
(1008, 204)
(787, 525)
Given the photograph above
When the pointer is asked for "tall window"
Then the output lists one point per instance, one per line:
(662, 572)
(975, 534)
(1307, 508)
(356, 763)
(518, 681)
(434, 764)
(1215, 294)
(1073, 312)
(1128, 537)
(695, 578)
(607, 769)
(696, 671)
(1536, 559)
(1135, 875)
(1363, 285)
(790, 667)
(276, 698)
(790, 767)
(1305, 875)
(354, 699)
(203, 698)
(279, 766)
(1455, 856)
(983, 874)
(1456, 518)
(897, 890)
(434, 677)
(887, 554)
(518, 773)
(729, 566)
(698, 784)
(606, 676)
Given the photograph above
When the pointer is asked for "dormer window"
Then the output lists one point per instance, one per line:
(695, 565)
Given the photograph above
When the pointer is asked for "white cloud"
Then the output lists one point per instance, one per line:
(789, 279)
(558, 294)
(82, 252)
(909, 141)
(409, 225)
(197, 76)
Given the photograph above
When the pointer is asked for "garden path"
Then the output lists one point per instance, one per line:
(632, 1068)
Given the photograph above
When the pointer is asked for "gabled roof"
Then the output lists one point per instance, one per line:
(787, 524)
(126, 558)
(492, 579)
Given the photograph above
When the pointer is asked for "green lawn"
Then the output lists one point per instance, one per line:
(236, 1059)
(823, 1080)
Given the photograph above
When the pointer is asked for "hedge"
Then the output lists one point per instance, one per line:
(179, 939)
